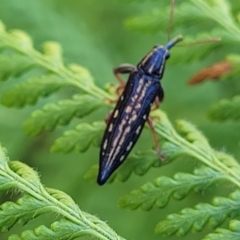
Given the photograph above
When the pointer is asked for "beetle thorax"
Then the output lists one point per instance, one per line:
(153, 63)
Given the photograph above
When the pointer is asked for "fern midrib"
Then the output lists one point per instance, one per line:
(198, 212)
(198, 153)
(41, 194)
(212, 161)
(179, 185)
(61, 71)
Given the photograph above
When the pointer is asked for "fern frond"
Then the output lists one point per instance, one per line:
(192, 15)
(221, 166)
(196, 146)
(50, 61)
(31, 90)
(62, 229)
(220, 12)
(60, 113)
(74, 222)
(222, 234)
(159, 192)
(38, 200)
(51, 74)
(25, 209)
(225, 109)
(188, 14)
(196, 218)
(157, 19)
(192, 134)
(234, 60)
(65, 230)
(10, 68)
(80, 138)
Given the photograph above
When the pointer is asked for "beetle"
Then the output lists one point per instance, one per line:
(132, 110)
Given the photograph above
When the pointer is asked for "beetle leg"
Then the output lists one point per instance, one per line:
(158, 99)
(156, 104)
(150, 124)
(107, 118)
(160, 94)
(122, 69)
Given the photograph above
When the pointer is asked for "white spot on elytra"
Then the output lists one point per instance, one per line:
(127, 130)
(115, 113)
(122, 157)
(110, 127)
(133, 118)
(124, 122)
(138, 106)
(140, 84)
(138, 130)
(135, 97)
(145, 117)
(129, 146)
(105, 144)
(128, 109)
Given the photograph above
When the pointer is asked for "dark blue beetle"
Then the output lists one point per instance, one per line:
(133, 107)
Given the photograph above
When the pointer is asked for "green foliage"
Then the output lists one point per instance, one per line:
(222, 234)
(216, 14)
(36, 200)
(80, 138)
(42, 74)
(30, 91)
(213, 214)
(225, 110)
(60, 113)
(159, 192)
(220, 167)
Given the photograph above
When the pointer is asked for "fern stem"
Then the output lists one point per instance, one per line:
(41, 194)
(41, 60)
(207, 158)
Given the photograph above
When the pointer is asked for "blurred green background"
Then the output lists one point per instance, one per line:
(92, 34)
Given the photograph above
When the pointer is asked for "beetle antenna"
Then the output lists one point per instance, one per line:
(197, 42)
(203, 41)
